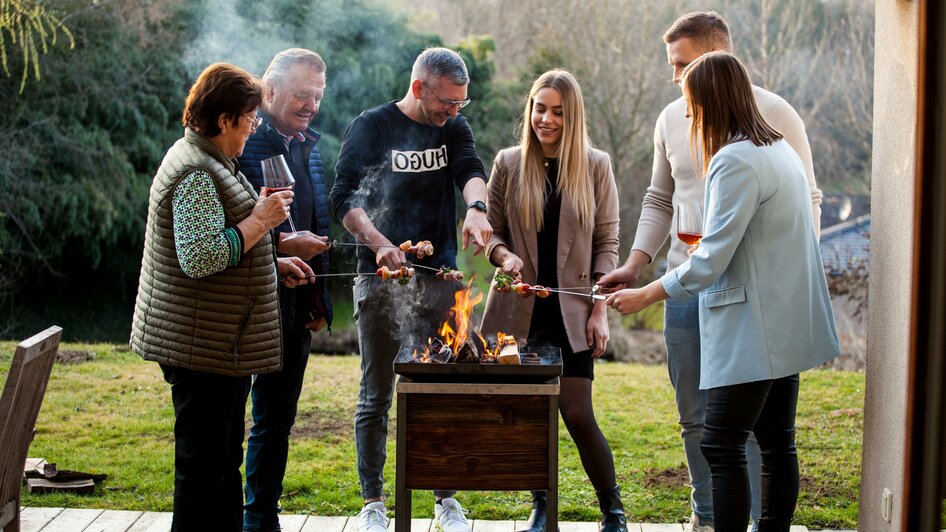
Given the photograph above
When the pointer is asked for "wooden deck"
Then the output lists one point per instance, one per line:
(85, 520)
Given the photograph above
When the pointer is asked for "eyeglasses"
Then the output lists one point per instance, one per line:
(255, 121)
(447, 104)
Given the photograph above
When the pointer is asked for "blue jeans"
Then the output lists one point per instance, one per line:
(388, 315)
(275, 398)
(682, 335)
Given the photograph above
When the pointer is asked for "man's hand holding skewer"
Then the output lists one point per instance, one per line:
(389, 255)
(305, 245)
(293, 271)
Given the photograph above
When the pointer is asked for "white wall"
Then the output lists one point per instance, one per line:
(892, 207)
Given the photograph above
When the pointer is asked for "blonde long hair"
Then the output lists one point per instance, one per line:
(722, 106)
(574, 175)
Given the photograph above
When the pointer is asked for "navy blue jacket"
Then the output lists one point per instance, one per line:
(310, 212)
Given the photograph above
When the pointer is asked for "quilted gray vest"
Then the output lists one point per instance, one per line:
(227, 322)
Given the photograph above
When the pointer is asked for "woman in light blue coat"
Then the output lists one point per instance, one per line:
(765, 313)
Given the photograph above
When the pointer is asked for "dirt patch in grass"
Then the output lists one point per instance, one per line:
(673, 477)
(824, 488)
(816, 489)
(316, 425)
(74, 356)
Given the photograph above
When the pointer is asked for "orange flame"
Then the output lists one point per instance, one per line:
(460, 315)
(502, 340)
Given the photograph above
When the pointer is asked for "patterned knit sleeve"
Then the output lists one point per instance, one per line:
(204, 244)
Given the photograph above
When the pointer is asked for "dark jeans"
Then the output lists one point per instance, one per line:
(208, 449)
(767, 409)
(275, 398)
(389, 314)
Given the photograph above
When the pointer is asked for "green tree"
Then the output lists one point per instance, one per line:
(81, 148)
(27, 28)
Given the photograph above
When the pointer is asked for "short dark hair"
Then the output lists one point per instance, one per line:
(708, 28)
(279, 67)
(440, 63)
(221, 89)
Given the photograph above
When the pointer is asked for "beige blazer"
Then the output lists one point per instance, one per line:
(583, 254)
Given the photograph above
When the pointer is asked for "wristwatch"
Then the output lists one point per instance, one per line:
(478, 205)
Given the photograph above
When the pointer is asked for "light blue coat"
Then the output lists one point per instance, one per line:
(765, 312)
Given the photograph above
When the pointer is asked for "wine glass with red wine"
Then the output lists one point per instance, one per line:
(276, 178)
(689, 222)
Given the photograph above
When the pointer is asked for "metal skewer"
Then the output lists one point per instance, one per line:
(592, 295)
(336, 243)
(409, 264)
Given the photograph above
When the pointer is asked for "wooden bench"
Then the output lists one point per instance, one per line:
(19, 407)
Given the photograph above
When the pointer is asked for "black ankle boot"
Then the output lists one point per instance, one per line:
(537, 518)
(612, 511)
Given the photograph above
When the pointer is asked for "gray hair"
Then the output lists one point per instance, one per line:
(279, 68)
(440, 63)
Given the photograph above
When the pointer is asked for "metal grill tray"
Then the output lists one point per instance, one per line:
(548, 367)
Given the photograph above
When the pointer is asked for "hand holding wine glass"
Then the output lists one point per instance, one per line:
(276, 178)
(689, 222)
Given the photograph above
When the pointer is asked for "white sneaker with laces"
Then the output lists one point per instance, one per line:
(372, 518)
(449, 516)
(696, 527)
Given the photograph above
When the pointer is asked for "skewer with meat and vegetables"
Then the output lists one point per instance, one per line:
(422, 249)
(505, 282)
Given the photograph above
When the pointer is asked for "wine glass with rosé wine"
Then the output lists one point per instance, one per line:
(276, 178)
(689, 222)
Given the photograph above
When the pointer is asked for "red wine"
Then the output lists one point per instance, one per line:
(690, 238)
(269, 191)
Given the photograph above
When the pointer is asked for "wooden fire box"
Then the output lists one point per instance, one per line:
(476, 436)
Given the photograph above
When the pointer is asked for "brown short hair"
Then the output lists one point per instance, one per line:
(722, 105)
(708, 28)
(221, 89)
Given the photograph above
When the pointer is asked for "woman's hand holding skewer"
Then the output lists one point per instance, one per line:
(633, 300)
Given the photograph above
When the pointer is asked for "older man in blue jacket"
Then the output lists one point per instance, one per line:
(294, 85)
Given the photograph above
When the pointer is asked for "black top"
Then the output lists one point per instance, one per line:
(405, 175)
(547, 326)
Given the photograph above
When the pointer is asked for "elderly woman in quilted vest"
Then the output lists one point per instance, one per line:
(206, 309)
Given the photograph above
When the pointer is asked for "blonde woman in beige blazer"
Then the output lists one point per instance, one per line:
(553, 207)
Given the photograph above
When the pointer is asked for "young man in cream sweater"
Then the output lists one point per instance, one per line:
(675, 180)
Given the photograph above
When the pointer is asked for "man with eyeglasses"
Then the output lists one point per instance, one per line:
(293, 87)
(398, 170)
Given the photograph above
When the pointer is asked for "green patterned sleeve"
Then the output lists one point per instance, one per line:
(204, 244)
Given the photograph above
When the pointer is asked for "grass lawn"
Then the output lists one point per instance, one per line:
(113, 415)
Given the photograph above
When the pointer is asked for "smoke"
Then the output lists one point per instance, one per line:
(248, 38)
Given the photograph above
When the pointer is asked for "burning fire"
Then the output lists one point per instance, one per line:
(454, 336)
(456, 330)
(460, 314)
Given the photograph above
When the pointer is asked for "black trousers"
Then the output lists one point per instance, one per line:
(766, 408)
(208, 449)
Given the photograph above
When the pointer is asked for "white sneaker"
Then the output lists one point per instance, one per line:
(372, 518)
(449, 516)
(696, 527)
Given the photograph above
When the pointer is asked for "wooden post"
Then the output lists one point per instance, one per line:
(402, 495)
(552, 510)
